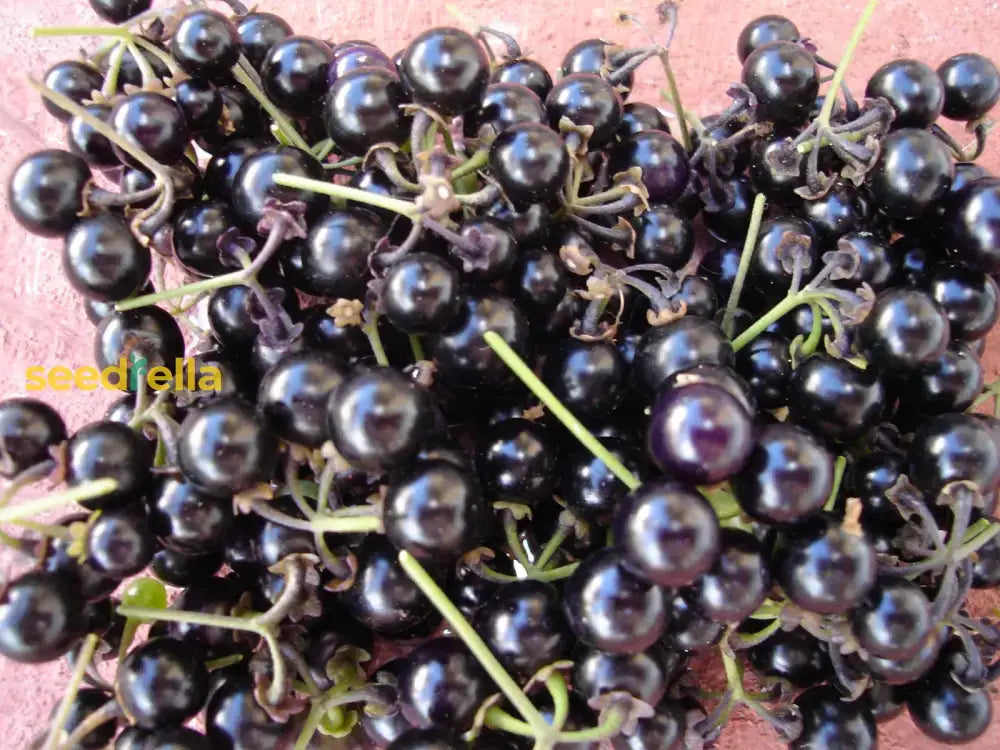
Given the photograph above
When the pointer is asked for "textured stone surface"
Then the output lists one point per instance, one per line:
(41, 320)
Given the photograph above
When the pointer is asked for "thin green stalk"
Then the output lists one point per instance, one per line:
(810, 345)
(226, 622)
(978, 542)
(776, 313)
(556, 685)
(838, 476)
(58, 723)
(404, 208)
(417, 348)
(556, 408)
(223, 661)
(838, 75)
(110, 85)
(196, 287)
(277, 116)
(611, 726)
(370, 330)
(510, 534)
(551, 547)
(476, 645)
(346, 525)
(749, 244)
(475, 162)
(675, 96)
(723, 502)
(497, 718)
(86, 491)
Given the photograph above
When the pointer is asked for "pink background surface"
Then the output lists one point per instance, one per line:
(42, 321)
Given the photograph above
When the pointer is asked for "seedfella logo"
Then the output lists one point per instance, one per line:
(127, 375)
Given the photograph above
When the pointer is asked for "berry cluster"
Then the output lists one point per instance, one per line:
(499, 444)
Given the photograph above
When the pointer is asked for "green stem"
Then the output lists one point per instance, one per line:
(723, 502)
(597, 199)
(510, 534)
(86, 491)
(611, 726)
(675, 96)
(226, 622)
(145, 69)
(749, 244)
(838, 476)
(283, 123)
(83, 659)
(370, 330)
(551, 547)
(734, 678)
(346, 525)
(114, 69)
(556, 685)
(755, 639)
(555, 407)
(975, 544)
(205, 285)
(475, 162)
(777, 312)
(417, 348)
(838, 75)
(223, 661)
(810, 345)
(404, 208)
(322, 149)
(476, 645)
(497, 718)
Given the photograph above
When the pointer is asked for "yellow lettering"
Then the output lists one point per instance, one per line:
(35, 379)
(121, 382)
(60, 378)
(159, 378)
(86, 378)
(211, 379)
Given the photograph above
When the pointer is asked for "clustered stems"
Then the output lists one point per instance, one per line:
(845, 59)
(83, 659)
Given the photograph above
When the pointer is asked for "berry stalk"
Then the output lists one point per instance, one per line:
(83, 659)
(86, 491)
(756, 216)
(838, 75)
(343, 192)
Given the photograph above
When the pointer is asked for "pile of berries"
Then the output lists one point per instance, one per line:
(496, 438)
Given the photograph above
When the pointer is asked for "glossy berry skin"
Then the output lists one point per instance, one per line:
(763, 30)
(668, 533)
(524, 627)
(349, 56)
(186, 519)
(152, 123)
(86, 702)
(663, 235)
(197, 230)
(427, 739)
(504, 105)
(517, 461)
(788, 476)
(765, 363)
(363, 108)
(664, 164)
(947, 712)
(611, 609)
(825, 568)
(103, 261)
(226, 447)
(894, 620)
(783, 77)
(333, 261)
(969, 299)
(794, 656)
(588, 377)
(231, 313)
(119, 543)
(971, 86)
(903, 671)
(530, 162)
(592, 56)
(109, 450)
(434, 511)
(834, 398)
(378, 418)
(148, 332)
(738, 581)
(878, 260)
(206, 44)
(639, 116)
(74, 79)
(420, 294)
(201, 102)
(666, 350)
(83, 140)
(690, 630)
(259, 32)
(294, 73)
(442, 685)
(253, 184)
(664, 730)
(904, 330)
(461, 353)
(161, 683)
(39, 617)
(952, 448)
(698, 296)
(830, 722)
(912, 88)
(45, 193)
(119, 11)
(525, 72)
(767, 273)
(383, 598)
(490, 250)
(445, 69)
(973, 221)
(913, 173)
(642, 675)
(234, 720)
(29, 428)
(586, 99)
(699, 433)
(589, 488)
(948, 384)
(840, 211)
(294, 393)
